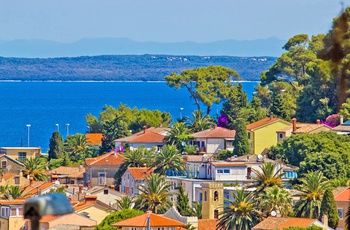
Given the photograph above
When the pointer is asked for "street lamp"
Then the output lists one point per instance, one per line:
(67, 130)
(181, 112)
(28, 125)
(58, 127)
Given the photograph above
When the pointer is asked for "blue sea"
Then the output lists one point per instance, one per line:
(50, 106)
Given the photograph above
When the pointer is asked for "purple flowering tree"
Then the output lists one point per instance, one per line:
(222, 120)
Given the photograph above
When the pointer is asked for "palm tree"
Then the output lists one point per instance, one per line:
(276, 199)
(169, 159)
(200, 122)
(178, 134)
(126, 202)
(76, 146)
(12, 192)
(267, 176)
(154, 194)
(313, 186)
(240, 213)
(35, 167)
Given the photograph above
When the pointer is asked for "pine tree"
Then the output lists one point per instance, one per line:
(182, 204)
(329, 208)
(241, 142)
(56, 146)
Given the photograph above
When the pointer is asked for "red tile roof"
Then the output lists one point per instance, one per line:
(343, 196)
(110, 158)
(140, 173)
(36, 186)
(207, 224)
(307, 128)
(70, 171)
(12, 202)
(263, 122)
(215, 132)
(94, 138)
(156, 221)
(283, 222)
(228, 164)
(48, 218)
(150, 135)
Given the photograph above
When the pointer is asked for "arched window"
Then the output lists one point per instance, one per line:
(216, 196)
(205, 195)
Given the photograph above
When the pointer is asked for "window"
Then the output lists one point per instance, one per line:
(20, 211)
(219, 171)
(226, 171)
(280, 135)
(13, 211)
(72, 181)
(216, 214)
(105, 192)
(341, 213)
(5, 211)
(216, 196)
(22, 156)
(200, 197)
(101, 178)
(3, 164)
(205, 196)
(248, 135)
(16, 179)
(132, 190)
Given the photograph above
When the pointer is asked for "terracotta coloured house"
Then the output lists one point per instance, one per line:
(148, 138)
(156, 222)
(262, 133)
(342, 199)
(213, 140)
(133, 178)
(101, 170)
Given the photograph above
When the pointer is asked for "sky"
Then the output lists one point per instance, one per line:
(165, 20)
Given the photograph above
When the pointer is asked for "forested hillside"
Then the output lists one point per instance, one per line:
(123, 67)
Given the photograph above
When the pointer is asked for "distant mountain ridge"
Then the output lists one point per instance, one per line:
(123, 46)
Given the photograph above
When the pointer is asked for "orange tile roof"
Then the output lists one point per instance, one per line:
(8, 176)
(35, 187)
(310, 127)
(48, 218)
(14, 202)
(70, 171)
(88, 202)
(140, 173)
(228, 164)
(283, 222)
(150, 135)
(94, 138)
(207, 224)
(156, 221)
(343, 196)
(110, 158)
(264, 122)
(215, 132)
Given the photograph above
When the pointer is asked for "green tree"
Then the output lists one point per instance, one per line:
(116, 217)
(197, 206)
(345, 110)
(268, 176)
(205, 84)
(239, 213)
(35, 167)
(12, 192)
(182, 203)
(312, 187)
(178, 135)
(329, 208)
(241, 142)
(300, 39)
(76, 146)
(58, 190)
(168, 159)
(200, 122)
(275, 199)
(114, 129)
(94, 126)
(347, 218)
(56, 146)
(154, 194)
(126, 202)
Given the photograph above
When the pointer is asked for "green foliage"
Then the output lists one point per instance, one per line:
(182, 203)
(241, 142)
(178, 135)
(116, 217)
(312, 187)
(329, 208)
(12, 191)
(239, 213)
(197, 206)
(58, 190)
(205, 84)
(190, 149)
(300, 39)
(126, 202)
(223, 155)
(56, 146)
(170, 159)
(345, 110)
(35, 167)
(113, 129)
(347, 218)
(312, 227)
(55, 163)
(76, 146)
(154, 194)
(275, 199)
(94, 126)
(200, 122)
(267, 176)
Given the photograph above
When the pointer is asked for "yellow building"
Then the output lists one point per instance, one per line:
(11, 215)
(212, 200)
(21, 153)
(262, 134)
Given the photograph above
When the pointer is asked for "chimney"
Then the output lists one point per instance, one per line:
(325, 221)
(271, 115)
(144, 129)
(294, 123)
(318, 121)
(112, 186)
(341, 119)
(90, 198)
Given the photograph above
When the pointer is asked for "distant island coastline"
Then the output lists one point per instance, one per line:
(123, 67)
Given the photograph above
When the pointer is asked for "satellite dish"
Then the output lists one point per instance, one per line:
(260, 157)
(273, 213)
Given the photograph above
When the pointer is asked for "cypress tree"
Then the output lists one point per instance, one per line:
(56, 146)
(182, 203)
(329, 208)
(241, 142)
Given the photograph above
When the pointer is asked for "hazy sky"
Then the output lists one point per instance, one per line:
(165, 20)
